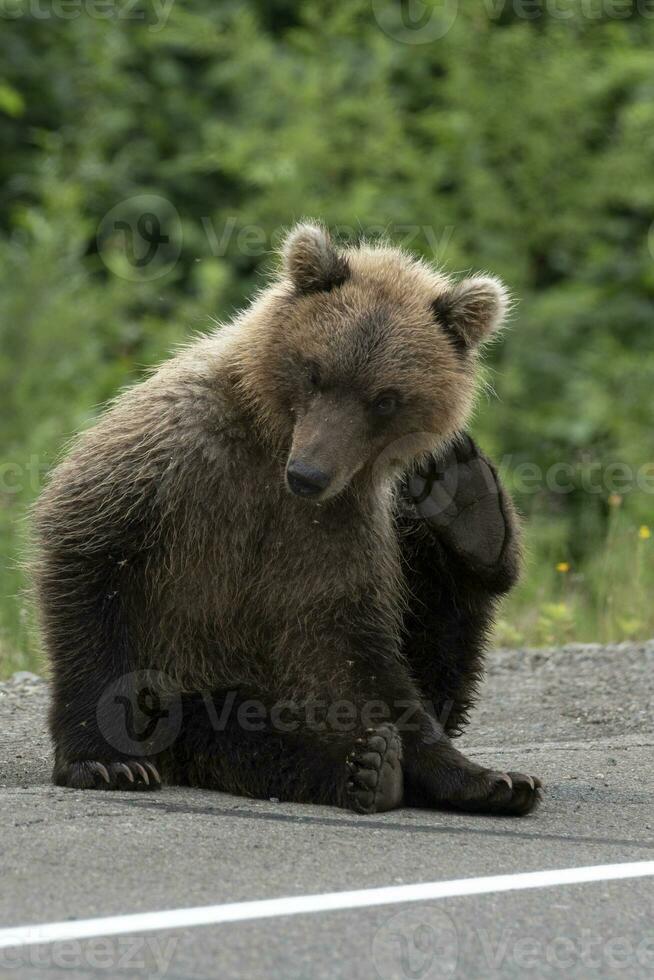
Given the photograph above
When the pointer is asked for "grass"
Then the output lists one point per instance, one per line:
(605, 598)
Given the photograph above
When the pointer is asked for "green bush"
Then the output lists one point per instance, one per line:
(523, 146)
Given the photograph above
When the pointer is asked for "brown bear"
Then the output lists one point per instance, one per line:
(282, 552)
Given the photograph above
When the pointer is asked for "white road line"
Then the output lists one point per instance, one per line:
(115, 925)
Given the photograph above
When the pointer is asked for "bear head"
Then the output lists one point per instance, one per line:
(358, 361)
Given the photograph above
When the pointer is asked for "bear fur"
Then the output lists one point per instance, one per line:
(271, 567)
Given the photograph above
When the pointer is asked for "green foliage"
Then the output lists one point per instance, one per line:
(523, 146)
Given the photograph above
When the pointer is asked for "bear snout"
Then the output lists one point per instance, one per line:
(306, 480)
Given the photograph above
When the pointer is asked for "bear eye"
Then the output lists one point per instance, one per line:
(386, 404)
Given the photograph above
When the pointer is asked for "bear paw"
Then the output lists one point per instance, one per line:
(129, 774)
(459, 496)
(510, 794)
(376, 780)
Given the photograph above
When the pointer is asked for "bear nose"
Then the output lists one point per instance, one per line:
(304, 480)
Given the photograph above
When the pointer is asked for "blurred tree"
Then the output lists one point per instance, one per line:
(520, 141)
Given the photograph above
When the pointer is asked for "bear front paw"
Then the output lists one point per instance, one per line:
(132, 774)
(376, 779)
(460, 497)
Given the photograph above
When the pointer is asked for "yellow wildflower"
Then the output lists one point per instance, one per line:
(644, 532)
(563, 567)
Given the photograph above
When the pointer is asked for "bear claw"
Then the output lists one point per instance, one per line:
(512, 794)
(132, 774)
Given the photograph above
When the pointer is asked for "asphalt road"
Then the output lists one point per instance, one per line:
(579, 717)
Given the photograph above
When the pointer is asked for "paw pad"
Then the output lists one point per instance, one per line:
(375, 778)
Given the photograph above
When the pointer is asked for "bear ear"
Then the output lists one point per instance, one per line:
(311, 261)
(472, 310)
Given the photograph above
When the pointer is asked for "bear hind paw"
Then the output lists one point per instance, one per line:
(126, 774)
(376, 780)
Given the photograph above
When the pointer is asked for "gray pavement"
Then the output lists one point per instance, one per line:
(580, 717)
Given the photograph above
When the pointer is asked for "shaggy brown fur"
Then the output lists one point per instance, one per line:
(346, 617)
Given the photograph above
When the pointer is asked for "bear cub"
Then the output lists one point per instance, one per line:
(271, 567)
